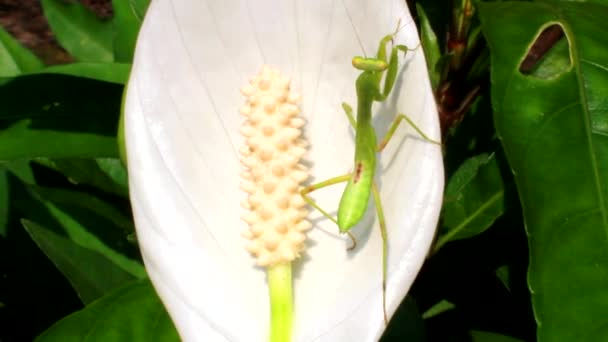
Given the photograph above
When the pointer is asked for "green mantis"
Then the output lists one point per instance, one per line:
(360, 182)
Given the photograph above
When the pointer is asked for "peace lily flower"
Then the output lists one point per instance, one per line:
(182, 129)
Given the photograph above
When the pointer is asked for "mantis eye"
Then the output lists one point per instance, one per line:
(369, 64)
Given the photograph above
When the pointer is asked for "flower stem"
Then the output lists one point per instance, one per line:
(281, 302)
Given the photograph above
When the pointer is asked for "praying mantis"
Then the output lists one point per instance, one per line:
(360, 181)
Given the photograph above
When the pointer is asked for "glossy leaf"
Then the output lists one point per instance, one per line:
(73, 201)
(474, 199)
(114, 168)
(128, 16)
(85, 220)
(439, 308)
(91, 274)
(78, 30)
(107, 72)
(58, 116)
(107, 174)
(15, 59)
(554, 129)
(21, 169)
(130, 314)
(430, 46)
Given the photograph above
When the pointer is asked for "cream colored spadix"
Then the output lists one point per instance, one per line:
(275, 209)
(183, 137)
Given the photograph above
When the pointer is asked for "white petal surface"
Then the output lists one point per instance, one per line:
(182, 128)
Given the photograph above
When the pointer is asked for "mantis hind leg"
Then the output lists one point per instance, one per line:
(384, 235)
(336, 180)
(394, 126)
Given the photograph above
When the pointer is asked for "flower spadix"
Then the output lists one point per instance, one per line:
(183, 128)
(275, 209)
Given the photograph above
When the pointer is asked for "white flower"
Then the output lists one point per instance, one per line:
(182, 131)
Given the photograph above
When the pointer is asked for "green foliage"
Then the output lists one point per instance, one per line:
(59, 116)
(79, 31)
(474, 199)
(107, 72)
(89, 272)
(430, 44)
(554, 130)
(15, 59)
(128, 16)
(130, 314)
(60, 178)
(107, 174)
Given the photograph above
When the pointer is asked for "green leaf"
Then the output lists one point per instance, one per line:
(58, 116)
(115, 169)
(131, 314)
(83, 219)
(20, 169)
(438, 309)
(90, 209)
(139, 8)
(14, 58)
(90, 273)
(107, 174)
(504, 275)
(431, 47)
(107, 72)
(78, 30)
(128, 16)
(474, 199)
(555, 134)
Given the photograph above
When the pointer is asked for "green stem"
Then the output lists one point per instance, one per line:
(281, 302)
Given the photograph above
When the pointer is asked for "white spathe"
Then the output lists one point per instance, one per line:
(182, 132)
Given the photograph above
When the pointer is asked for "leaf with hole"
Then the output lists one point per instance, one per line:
(554, 130)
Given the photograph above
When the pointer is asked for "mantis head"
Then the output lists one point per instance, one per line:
(369, 64)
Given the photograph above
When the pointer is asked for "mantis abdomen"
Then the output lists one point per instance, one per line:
(355, 197)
